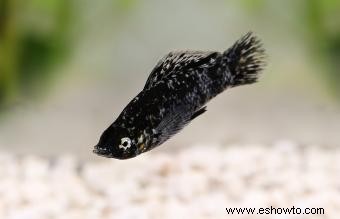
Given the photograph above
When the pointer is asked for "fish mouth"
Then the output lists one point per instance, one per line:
(106, 153)
(102, 152)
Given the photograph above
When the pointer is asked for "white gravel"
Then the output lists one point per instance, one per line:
(197, 182)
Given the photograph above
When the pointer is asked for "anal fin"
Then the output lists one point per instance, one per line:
(199, 112)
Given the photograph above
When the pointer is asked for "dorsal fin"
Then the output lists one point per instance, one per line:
(175, 61)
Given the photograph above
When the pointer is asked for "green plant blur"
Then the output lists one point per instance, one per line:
(33, 38)
(323, 21)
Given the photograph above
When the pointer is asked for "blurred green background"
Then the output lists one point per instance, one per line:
(36, 36)
(68, 67)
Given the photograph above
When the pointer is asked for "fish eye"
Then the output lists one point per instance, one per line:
(125, 143)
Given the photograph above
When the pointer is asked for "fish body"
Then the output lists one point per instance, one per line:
(176, 92)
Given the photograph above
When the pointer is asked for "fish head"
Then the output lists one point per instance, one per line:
(116, 142)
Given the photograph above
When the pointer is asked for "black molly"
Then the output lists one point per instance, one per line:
(176, 92)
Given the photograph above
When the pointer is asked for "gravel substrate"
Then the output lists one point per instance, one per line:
(196, 182)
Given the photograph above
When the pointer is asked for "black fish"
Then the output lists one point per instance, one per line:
(176, 92)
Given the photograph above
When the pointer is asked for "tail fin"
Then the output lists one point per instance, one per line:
(245, 60)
